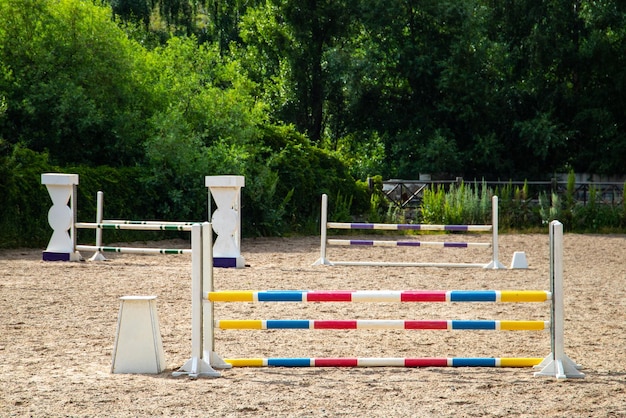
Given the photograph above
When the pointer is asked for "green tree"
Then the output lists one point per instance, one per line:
(288, 39)
(133, 10)
(72, 82)
(399, 57)
(565, 76)
(598, 89)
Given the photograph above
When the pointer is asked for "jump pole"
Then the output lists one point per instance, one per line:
(398, 324)
(386, 362)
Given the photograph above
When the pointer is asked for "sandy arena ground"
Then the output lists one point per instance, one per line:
(58, 322)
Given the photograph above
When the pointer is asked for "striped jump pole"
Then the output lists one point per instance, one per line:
(126, 222)
(427, 296)
(134, 250)
(454, 324)
(434, 244)
(139, 226)
(325, 225)
(387, 362)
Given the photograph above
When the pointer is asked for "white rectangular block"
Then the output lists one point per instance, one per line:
(224, 181)
(59, 179)
(138, 345)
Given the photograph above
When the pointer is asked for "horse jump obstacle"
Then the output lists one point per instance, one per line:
(226, 220)
(325, 225)
(556, 364)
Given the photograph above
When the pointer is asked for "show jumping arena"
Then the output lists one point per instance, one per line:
(59, 321)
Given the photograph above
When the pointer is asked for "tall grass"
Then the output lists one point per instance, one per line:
(461, 204)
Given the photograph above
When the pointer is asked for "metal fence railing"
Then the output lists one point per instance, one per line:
(409, 193)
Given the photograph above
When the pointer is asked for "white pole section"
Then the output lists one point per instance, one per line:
(98, 256)
(208, 328)
(323, 228)
(495, 263)
(196, 366)
(557, 364)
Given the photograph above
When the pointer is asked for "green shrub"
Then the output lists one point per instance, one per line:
(25, 201)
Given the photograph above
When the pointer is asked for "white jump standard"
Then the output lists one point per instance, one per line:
(226, 219)
(61, 217)
(204, 362)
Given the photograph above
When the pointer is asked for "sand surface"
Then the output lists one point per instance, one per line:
(58, 323)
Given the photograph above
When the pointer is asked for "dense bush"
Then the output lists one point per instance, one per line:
(72, 81)
(23, 216)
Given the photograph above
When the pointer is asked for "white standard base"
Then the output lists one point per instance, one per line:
(519, 260)
(563, 368)
(322, 262)
(200, 367)
(196, 367)
(138, 345)
(98, 256)
(216, 361)
(494, 265)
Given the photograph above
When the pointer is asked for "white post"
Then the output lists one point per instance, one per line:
(557, 364)
(196, 366)
(495, 263)
(226, 219)
(98, 256)
(323, 228)
(61, 217)
(74, 206)
(208, 328)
